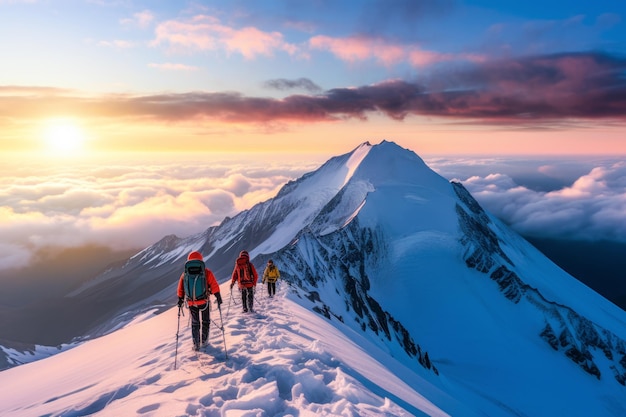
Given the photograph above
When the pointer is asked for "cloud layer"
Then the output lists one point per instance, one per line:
(591, 206)
(126, 206)
(123, 206)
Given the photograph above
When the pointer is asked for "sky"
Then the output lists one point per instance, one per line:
(124, 121)
(437, 76)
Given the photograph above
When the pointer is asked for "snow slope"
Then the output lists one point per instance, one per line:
(284, 360)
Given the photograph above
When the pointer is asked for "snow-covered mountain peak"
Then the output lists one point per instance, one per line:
(404, 263)
(331, 197)
(329, 178)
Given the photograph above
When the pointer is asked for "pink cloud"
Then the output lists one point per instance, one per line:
(121, 44)
(169, 66)
(360, 48)
(141, 19)
(198, 33)
(251, 41)
(425, 58)
(208, 33)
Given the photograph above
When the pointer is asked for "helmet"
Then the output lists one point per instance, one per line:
(244, 254)
(195, 256)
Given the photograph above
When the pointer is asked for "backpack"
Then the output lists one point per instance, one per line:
(246, 277)
(194, 280)
(272, 273)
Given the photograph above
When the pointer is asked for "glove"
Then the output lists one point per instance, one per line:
(218, 296)
(181, 300)
(232, 284)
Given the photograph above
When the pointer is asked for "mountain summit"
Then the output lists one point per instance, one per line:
(405, 263)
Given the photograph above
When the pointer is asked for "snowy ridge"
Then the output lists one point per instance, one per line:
(285, 360)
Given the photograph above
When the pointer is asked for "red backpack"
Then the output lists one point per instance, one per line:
(244, 270)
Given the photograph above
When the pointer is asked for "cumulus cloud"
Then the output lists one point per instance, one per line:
(125, 206)
(592, 207)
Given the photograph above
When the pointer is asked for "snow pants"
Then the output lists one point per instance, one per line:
(271, 288)
(247, 298)
(198, 312)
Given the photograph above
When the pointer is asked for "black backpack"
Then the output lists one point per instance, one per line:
(194, 280)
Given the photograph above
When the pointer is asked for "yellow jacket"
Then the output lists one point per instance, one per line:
(271, 274)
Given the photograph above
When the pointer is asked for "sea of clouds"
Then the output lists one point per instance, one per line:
(570, 199)
(132, 202)
(128, 202)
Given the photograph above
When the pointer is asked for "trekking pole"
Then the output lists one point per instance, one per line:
(219, 307)
(256, 299)
(180, 310)
(229, 302)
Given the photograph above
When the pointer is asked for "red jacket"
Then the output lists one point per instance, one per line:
(211, 284)
(244, 265)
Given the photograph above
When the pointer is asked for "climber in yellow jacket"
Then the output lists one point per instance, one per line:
(271, 275)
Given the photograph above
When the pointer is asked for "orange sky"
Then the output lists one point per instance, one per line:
(73, 136)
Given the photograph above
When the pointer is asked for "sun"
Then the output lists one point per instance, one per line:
(63, 136)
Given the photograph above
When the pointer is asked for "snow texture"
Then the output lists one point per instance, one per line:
(283, 360)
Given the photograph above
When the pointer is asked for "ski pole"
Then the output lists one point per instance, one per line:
(180, 308)
(219, 307)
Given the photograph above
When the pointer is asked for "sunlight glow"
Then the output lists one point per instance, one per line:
(63, 136)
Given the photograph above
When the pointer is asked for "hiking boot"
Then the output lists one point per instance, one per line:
(245, 310)
(196, 347)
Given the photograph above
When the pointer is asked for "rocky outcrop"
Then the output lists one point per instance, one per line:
(340, 260)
